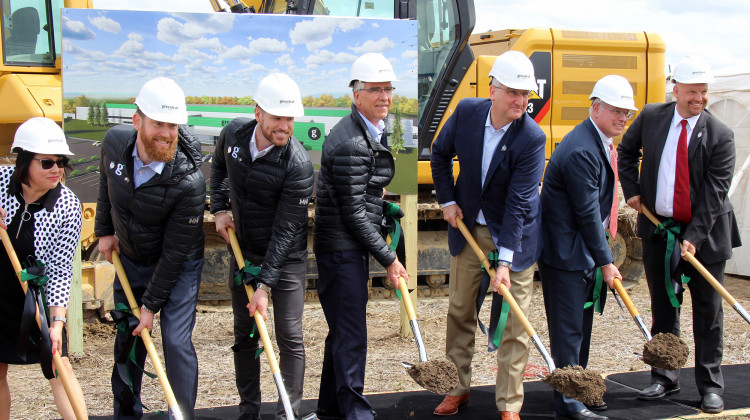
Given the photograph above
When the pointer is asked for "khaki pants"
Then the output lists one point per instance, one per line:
(513, 352)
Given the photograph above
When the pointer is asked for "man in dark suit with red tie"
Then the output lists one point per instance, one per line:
(579, 204)
(688, 162)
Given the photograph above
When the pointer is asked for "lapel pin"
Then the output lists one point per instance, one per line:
(700, 134)
(504, 148)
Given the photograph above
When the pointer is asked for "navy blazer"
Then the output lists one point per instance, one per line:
(509, 199)
(711, 155)
(577, 194)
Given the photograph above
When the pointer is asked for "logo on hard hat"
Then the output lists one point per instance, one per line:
(53, 140)
(698, 72)
(170, 107)
(286, 101)
(523, 76)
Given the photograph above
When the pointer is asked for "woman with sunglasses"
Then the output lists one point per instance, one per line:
(43, 221)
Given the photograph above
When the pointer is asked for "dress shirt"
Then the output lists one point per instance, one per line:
(606, 141)
(254, 152)
(143, 172)
(668, 164)
(375, 130)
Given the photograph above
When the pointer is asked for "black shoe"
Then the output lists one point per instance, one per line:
(328, 415)
(248, 416)
(584, 414)
(600, 407)
(712, 403)
(658, 391)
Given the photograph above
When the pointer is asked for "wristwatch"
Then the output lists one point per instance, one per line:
(59, 318)
(503, 263)
(264, 287)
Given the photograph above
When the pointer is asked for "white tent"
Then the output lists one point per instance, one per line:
(730, 102)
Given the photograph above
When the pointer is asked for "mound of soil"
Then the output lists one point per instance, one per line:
(438, 376)
(666, 351)
(586, 386)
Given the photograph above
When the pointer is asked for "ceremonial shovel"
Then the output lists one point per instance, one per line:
(705, 273)
(147, 342)
(260, 323)
(577, 385)
(78, 406)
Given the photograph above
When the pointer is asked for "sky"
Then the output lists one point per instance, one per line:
(226, 54)
(717, 30)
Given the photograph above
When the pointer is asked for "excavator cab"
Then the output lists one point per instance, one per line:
(28, 38)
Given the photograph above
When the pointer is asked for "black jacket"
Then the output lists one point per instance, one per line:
(161, 221)
(354, 169)
(269, 197)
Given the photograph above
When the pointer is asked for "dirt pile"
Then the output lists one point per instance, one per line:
(438, 376)
(666, 351)
(586, 386)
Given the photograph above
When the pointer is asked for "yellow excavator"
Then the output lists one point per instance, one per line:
(452, 65)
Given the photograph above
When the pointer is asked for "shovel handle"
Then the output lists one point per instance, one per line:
(406, 299)
(79, 407)
(503, 290)
(260, 323)
(146, 337)
(698, 266)
(625, 298)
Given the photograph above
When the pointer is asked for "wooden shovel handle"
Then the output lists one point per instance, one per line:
(504, 290)
(625, 297)
(698, 266)
(145, 336)
(79, 407)
(259, 321)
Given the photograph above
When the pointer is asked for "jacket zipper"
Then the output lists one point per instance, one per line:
(23, 218)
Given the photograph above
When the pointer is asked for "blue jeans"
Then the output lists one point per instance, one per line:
(177, 319)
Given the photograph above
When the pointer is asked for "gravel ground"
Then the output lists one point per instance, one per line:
(615, 341)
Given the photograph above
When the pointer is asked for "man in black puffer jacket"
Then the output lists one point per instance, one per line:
(266, 176)
(355, 168)
(150, 210)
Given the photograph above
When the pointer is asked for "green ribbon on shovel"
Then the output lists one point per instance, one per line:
(597, 302)
(127, 322)
(36, 274)
(392, 213)
(670, 230)
(247, 275)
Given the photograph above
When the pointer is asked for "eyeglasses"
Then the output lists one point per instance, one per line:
(378, 90)
(516, 93)
(619, 113)
(47, 164)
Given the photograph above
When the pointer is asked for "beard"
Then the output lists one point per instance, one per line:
(159, 154)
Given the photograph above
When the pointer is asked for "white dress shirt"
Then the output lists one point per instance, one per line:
(668, 164)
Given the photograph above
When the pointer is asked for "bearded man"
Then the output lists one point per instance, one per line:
(150, 210)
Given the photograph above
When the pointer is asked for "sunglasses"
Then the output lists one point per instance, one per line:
(49, 163)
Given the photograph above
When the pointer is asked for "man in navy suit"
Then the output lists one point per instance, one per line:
(699, 205)
(501, 153)
(579, 203)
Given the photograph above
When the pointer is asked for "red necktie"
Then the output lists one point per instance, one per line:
(614, 210)
(681, 204)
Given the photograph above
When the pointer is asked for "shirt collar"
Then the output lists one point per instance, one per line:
(155, 166)
(48, 200)
(488, 124)
(606, 141)
(254, 152)
(375, 130)
(677, 118)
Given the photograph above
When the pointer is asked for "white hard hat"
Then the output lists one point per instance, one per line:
(372, 67)
(279, 95)
(514, 70)
(162, 100)
(614, 90)
(41, 135)
(692, 69)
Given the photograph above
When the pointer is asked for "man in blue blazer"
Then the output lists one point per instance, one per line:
(500, 150)
(578, 193)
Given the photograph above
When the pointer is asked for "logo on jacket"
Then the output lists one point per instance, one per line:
(234, 151)
(119, 169)
(303, 201)
(194, 220)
